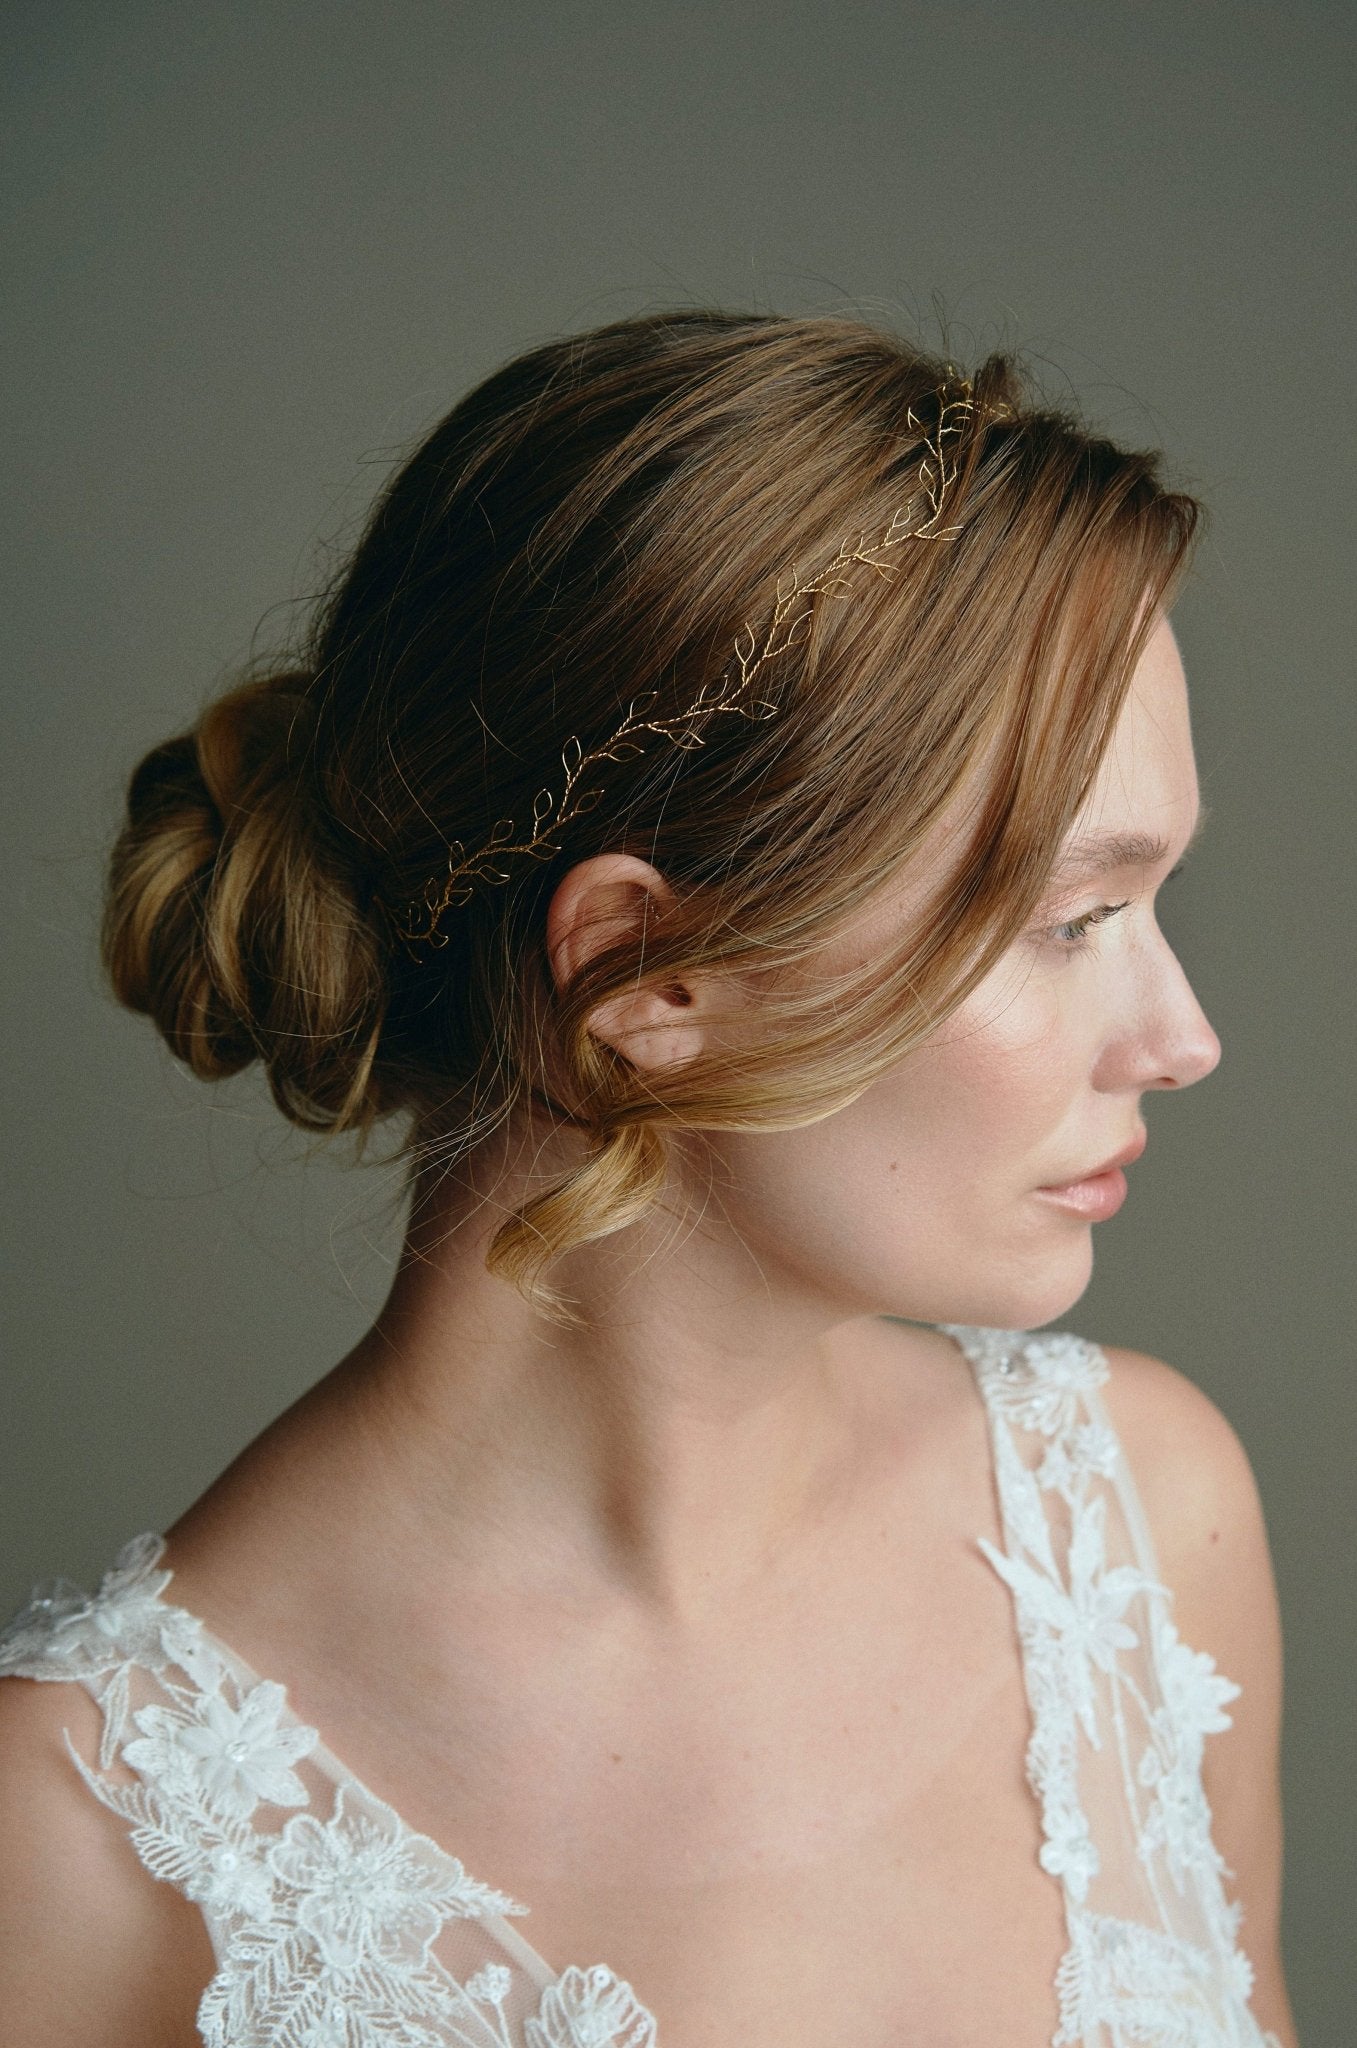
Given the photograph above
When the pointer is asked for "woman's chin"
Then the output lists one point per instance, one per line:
(1040, 1292)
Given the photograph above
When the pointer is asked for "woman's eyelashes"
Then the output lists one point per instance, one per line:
(1076, 933)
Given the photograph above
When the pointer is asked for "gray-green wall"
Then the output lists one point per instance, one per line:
(252, 249)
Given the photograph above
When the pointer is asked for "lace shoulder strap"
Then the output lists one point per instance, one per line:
(1120, 1709)
(333, 1923)
(99, 1640)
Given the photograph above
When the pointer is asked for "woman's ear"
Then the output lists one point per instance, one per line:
(601, 901)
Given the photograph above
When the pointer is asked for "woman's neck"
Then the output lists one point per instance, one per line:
(703, 1414)
(715, 1435)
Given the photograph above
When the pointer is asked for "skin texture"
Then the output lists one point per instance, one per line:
(685, 1429)
(674, 1627)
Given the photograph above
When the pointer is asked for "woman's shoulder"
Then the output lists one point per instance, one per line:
(1194, 1481)
(1187, 1463)
(1201, 1499)
(88, 1931)
(1194, 1476)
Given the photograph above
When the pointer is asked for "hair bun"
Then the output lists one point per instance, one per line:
(252, 740)
(233, 923)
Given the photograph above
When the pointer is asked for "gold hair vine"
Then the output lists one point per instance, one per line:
(789, 620)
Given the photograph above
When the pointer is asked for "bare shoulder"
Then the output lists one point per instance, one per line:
(93, 1951)
(1193, 1473)
(1201, 1499)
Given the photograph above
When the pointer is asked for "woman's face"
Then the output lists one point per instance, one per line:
(920, 1199)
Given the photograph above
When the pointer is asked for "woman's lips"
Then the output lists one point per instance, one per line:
(1095, 1199)
(1099, 1194)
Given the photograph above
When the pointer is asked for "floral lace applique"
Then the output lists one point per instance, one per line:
(325, 1926)
(1119, 1707)
(590, 2009)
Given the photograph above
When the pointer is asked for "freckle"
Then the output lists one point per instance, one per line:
(615, 1757)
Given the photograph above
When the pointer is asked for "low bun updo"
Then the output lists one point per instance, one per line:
(230, 917)
(609, 518)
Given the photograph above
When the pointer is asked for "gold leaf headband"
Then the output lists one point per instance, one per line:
(729, 693)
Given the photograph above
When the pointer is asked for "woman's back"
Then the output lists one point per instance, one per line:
(841, 1840)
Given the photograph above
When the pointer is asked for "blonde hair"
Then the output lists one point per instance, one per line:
(606, 515)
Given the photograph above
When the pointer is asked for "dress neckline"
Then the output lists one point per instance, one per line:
(333, 1765)
(1152, 1936)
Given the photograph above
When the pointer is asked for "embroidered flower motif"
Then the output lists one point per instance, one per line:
(1072, 1459)
(1178, 1819)
(1045, 1398)
(229, 1879)
(182, 1643)
(490, 1985)
(119, 1623)
(235, 1756)
(590, 2009)
(42, 1629)
(1178, 1823)
(367, 1888)
(1068, 1851)
(1086, 1620)
(1194, 1690)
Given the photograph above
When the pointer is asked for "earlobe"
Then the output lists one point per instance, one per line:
(634, 1025)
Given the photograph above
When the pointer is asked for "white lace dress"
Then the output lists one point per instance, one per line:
(336, 1926)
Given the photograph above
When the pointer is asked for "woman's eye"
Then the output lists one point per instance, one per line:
(1075, 933)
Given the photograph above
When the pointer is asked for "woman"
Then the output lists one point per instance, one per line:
(721, 806)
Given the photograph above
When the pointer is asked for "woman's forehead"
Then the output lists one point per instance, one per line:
(1147, 780)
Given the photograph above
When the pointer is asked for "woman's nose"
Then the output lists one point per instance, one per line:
(1183, 1044)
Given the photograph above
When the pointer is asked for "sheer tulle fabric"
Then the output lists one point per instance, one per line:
(1120, 1709)
(334, 1925)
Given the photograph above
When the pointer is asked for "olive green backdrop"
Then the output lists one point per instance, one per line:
(253, 248)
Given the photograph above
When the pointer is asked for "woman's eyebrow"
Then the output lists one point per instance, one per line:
(1096, 853)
